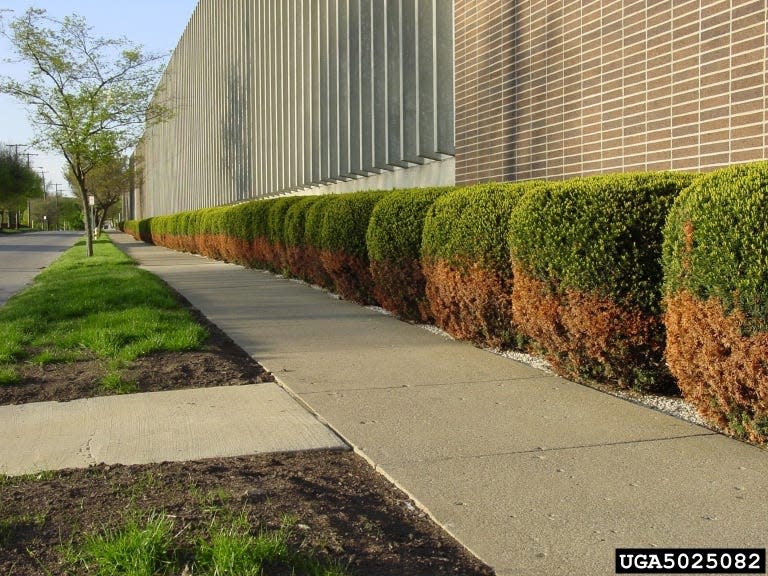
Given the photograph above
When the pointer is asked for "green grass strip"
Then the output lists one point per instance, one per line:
(229, 547)
(103, 307)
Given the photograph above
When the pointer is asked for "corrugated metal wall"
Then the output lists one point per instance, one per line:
(277, 96)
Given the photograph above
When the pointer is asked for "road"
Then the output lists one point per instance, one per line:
(22, 256)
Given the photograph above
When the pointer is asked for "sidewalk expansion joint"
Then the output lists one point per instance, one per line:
(559, 449)
(406, 386)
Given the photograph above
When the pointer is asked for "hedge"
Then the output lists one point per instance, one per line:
(313, 228)
(293, 232)
(247, 229)
(208, 238)
(573, 269)
(343, 249)
(587, 266)
(716, 296)
(276, 231)
(465, 259)
(393, 239)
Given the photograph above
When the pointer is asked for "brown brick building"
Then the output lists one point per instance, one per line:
(559, 88)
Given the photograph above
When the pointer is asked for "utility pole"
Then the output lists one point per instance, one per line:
(16, 149)
(45, 197)
(28, 155)
(42, 175)
(57, 204)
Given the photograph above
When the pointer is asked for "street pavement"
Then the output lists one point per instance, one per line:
(22, 256)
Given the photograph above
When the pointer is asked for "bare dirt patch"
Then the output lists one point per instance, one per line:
(342, 510)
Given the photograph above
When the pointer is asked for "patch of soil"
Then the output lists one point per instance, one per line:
(343, 509)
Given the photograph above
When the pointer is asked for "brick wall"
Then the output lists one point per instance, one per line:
(559, 88)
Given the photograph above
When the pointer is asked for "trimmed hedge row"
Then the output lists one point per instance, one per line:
(573, 269)
(294, 229)
(587, 266)
(716, 295)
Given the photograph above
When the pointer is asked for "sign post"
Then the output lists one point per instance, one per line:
(91, 203)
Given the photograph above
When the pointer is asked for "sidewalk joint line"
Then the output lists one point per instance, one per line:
(558, 449)
(403, 387)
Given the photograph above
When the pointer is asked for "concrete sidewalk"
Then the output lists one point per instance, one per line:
(168, 426)
(533, 473)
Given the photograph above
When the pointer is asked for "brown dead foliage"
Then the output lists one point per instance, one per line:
(233, 249)
(722, 372)
(400, 287)
(280, 257)
(257, 253)
(261, 252)
(588, 336)
(351, 276)
(471, 302)
(295, 259)
(208, 245)
(314, 268)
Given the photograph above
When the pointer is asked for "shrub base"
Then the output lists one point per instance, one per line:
(471, 303)
(350, 275)
(588, 336)
(722, 372)
(399, 286)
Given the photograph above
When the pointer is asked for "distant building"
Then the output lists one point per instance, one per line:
(308, 96)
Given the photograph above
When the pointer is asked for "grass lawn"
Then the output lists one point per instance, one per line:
(99, 307)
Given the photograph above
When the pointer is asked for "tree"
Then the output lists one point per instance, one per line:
(108, 183)
(18, 183)
(89, 97)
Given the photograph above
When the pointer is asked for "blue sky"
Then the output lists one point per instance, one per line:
(157, 24)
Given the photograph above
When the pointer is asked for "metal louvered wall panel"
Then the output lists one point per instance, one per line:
(301, 96)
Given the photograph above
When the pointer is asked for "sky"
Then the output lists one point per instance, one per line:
(156, 24)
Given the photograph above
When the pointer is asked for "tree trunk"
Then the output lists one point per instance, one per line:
(101, 215)
(87, 218)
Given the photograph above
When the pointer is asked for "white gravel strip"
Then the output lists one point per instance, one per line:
(667, 404)
(523, 358)
(380, 310)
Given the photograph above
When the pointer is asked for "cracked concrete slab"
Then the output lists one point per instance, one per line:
(157, 426)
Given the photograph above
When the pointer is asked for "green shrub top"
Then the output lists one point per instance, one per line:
(471, 224)
(248, 220)
(295, 218)
(211, 220)
(313, 222)
(345, 222)
(716, 241)
(397, 223)
(276, 217)
(600, 234)
(160, 224)
(180, 225)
